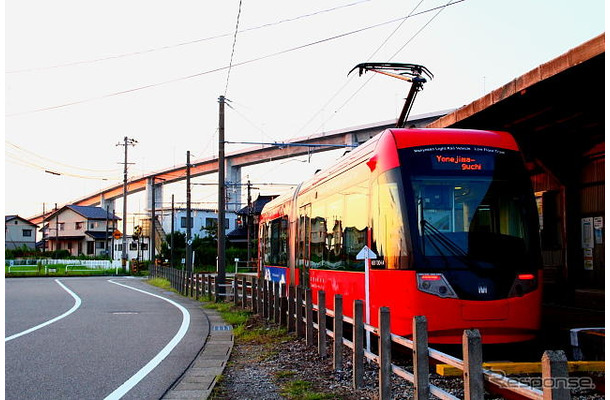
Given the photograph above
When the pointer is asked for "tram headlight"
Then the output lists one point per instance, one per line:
(435, 284)
(524, 283)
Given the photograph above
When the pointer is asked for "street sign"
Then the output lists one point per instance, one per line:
(117, 234)
(366, 254)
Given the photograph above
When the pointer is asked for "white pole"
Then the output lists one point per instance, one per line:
(367, 281)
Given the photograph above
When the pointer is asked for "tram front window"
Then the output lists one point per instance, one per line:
(470, 207)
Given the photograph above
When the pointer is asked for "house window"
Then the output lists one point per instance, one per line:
(90, 247)
(144, 246)
(94, 225)
(78, 226)
(183, 222)
(211, 223)
(27, 233)
(133, 246)
(61, 226)
(99, 245)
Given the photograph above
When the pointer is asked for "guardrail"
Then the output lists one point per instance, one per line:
(293, 308)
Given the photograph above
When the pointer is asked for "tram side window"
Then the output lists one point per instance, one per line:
(276, 242)
(389, 236)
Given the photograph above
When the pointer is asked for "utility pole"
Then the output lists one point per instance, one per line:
(221, 191)
(189, 266)
(56, 231)
(171, 250)
(44, 242)
(126, 142)
(107, 223)
(153, 217)
(249, 221)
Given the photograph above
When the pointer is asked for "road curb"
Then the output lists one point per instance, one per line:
(199, 380)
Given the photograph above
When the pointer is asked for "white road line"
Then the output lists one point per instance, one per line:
(152, 364)
(77, 303)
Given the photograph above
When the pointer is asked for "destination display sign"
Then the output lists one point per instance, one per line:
(462, 162)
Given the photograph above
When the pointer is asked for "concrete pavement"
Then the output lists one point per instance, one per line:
(200, 378)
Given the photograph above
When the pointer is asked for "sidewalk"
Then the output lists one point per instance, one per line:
(200, 378)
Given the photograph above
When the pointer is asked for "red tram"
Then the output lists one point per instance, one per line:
(450, 217)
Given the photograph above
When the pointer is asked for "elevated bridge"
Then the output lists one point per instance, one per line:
(246, 157)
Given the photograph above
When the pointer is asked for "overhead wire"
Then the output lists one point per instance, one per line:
(347, 82)
(233, 47)
(172, 46)
(218, 69)
(440, 9)
(31, 153)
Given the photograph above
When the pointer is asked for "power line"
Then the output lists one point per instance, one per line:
(334, 96)
(57, 162)
(440, 9)
(172, 46)
(233, 47)
(250, 61)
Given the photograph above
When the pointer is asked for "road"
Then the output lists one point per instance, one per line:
(97, 338)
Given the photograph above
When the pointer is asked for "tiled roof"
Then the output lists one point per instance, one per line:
(91, 212)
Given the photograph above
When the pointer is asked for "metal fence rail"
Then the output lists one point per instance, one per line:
(293, 308)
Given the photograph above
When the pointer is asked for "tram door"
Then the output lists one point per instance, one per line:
(304, 244)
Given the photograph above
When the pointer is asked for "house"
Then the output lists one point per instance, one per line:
(248, 216)
(202, 221)
(85, 230)
(137, 248)
(19, 232)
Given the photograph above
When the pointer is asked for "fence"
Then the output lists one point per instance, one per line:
(91, 264)
(293, 308)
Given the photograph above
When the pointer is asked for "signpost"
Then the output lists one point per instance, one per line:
(367, 254)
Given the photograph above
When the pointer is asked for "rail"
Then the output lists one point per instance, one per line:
(293, 308)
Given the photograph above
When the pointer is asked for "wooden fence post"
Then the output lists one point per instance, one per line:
(261, 296)
(299, 312)
(270, 312)
(254, 300)
(235, 290)
(555, 376)
(283, 306)
(385, 355)
(358, 340)
(338, 334)
(244, 292)
(308, 318)
(421, 364)
(291, 309)
(322, 324)
(265, 298)
(276, 302)
(473, 369)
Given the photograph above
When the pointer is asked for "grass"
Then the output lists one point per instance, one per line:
(59, 270)
(302, 390)
(160, 283)
(252, 329)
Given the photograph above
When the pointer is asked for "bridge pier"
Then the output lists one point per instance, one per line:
(233, 186)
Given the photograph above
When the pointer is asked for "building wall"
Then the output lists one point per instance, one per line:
(72, 224)
(136, 249)
(200, 220)
(19, 233)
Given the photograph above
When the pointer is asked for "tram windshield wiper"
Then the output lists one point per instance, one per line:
(440, 241)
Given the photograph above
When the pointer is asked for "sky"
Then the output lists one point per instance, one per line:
(80, 76)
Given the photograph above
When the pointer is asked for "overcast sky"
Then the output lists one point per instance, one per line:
(79, 76)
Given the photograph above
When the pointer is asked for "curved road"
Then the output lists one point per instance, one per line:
(97, 338)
